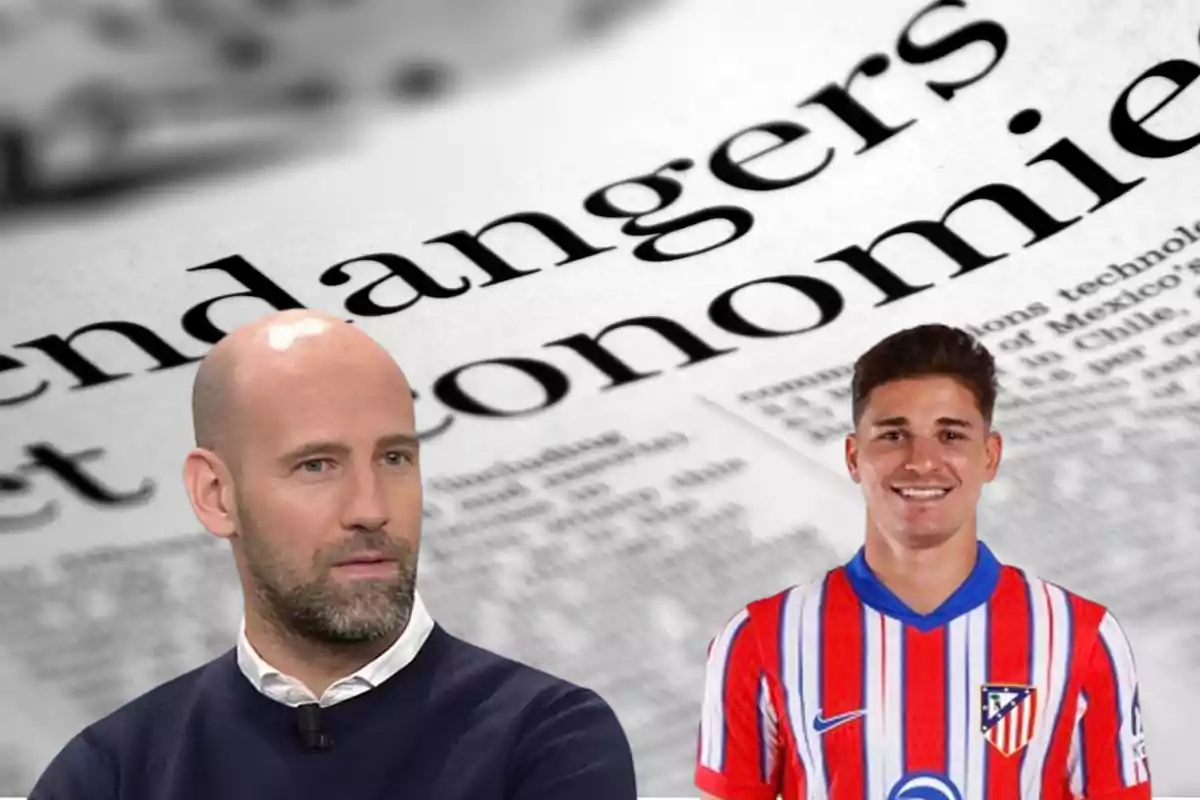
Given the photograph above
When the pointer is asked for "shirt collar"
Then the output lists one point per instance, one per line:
(973, 592)
(284, 688)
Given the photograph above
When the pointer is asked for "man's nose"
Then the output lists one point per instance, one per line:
(924, 454)
(366, 505)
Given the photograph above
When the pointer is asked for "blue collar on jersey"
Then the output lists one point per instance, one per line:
(973, 592)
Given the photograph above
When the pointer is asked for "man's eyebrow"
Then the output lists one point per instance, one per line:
(309, 449)
(400, 440)
(900, 422)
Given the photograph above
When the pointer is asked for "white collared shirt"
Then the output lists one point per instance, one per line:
(291, 692)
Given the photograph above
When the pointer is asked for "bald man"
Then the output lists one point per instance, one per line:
(340, 685)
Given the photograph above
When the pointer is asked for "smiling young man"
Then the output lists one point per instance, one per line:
(924, 669)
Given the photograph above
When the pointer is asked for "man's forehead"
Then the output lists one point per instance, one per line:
(308, 405)
(283, 436)
(922, 400)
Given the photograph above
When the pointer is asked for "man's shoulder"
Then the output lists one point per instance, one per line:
(785, 606)
(503, 677)
(554, 736)
(1043, 589)
(90, 763)
(137, 719)
(1047, 597)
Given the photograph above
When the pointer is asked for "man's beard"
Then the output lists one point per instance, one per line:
(317, 608)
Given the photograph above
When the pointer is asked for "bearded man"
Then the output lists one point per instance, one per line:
(341, 685)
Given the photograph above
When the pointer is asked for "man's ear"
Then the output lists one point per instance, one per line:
(209, 485)
(852, 457)
(994, 446)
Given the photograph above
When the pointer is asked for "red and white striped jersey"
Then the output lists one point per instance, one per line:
(1015, 689)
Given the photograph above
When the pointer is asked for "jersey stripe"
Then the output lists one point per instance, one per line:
(767, 725)
(894, 707)
(975, 784)
(1009, 662)
(876, 742)
(811, 656)
(1120, 661)
(842, 680)
(787, 770)
(790, 667)
(712, 727)
(1043, 652)
(1052, 636)
(1077, 776)
(959, 701)
(1060, 722)
(925, 728)
(1104, 755)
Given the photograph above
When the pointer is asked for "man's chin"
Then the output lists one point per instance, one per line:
(362, 627)
(361, 613)
(925, 535)
(355, 634)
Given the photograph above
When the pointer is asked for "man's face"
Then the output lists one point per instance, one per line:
(328, 504)
(922, 452)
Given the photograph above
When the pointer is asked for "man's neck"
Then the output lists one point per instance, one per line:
(317, 665)
(922, 578)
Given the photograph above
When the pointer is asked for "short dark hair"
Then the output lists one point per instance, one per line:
(927, 350)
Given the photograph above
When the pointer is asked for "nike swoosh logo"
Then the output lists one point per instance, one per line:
(824, 724)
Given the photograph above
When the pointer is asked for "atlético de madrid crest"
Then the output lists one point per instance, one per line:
(1009, 714)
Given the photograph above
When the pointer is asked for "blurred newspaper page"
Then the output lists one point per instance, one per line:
(670, 243)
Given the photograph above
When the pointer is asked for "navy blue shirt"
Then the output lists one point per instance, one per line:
(458, 723)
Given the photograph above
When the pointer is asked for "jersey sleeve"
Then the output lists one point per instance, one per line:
(1108, 750)
(739, 749)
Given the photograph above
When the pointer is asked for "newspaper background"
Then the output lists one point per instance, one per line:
(100, 605)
